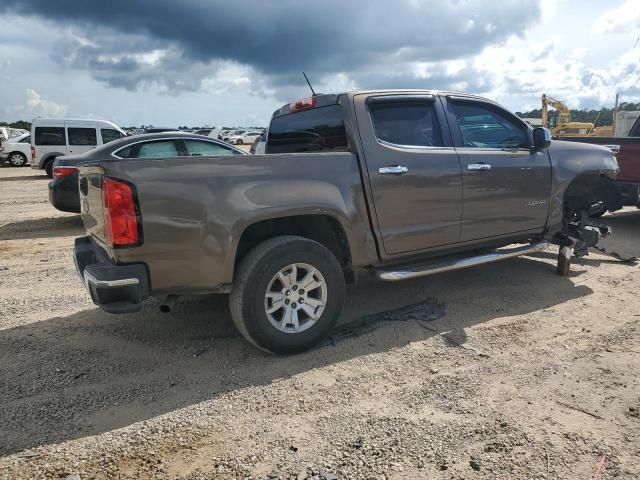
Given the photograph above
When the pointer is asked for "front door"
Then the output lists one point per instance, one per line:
(413, 170)
(506, 185)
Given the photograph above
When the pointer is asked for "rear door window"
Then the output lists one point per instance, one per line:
(198, 148)
(50, 136)
(408, 121)
(159, 149)
(82, 136)
(26, 139)
(315, 130)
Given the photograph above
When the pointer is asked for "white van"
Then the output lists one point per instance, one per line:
(54, 137)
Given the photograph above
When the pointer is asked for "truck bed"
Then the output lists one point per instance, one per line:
(197, 208)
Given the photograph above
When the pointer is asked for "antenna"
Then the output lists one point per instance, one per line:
(309, 83)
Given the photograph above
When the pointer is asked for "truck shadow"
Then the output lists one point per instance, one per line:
(91, 372)
(20, 178)
(42, 228)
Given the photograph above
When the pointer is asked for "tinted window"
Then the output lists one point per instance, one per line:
(109, 135)
(410, 122)
(82, 136)
(484, 127)
(50, 136)
(126, 152)
(318, 129)
(163, 148)
(197, 148)
(26, 139)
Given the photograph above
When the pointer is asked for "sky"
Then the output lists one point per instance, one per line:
(209, 62)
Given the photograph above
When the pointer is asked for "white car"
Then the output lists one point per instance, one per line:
(16, 150)
(7, 133)
(213, 132)
(55, 137)
(244, 138)
(232, 133)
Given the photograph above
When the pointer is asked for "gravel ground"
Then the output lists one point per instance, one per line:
(527, 375)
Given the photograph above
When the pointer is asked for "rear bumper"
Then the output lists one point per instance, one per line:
(630, 193)
(114, 288)
(64, 194)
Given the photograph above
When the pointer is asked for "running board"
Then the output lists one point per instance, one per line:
(459, 263)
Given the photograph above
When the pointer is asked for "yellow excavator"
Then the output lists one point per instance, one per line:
(559, 120)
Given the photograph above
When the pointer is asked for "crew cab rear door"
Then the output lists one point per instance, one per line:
(413, 170)
(506, 184)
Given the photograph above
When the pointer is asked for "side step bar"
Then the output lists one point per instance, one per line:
(458, 263)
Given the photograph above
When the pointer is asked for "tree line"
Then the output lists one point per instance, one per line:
(600, 118)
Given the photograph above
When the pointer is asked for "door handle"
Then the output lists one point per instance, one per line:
(478, 166)
(398, 169)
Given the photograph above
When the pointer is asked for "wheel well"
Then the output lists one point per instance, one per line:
(48, 160)
(589, 189)
(323, 229)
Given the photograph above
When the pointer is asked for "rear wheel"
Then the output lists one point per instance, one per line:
(287, 295)
(17, 159)
(48, 167)
(239, 141)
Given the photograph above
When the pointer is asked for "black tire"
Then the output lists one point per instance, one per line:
(239, 141)
(17, 159)
(262, 263)
(48, 167)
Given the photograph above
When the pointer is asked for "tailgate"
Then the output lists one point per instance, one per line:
(92, 212)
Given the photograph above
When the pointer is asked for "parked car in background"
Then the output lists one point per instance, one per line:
(243, 138)
(209, 132)
(16, 150)
(232, 133)
(259, 144)
(401, 184)
(7, 132)
(63, 189)
(55, 137)
(159, 129)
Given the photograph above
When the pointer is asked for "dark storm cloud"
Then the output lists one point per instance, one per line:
(277, 38)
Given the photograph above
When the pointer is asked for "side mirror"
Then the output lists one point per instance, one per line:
(541, 138)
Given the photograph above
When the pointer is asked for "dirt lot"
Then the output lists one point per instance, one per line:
(527, 375)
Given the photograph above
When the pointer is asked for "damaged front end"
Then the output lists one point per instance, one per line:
(585, 201)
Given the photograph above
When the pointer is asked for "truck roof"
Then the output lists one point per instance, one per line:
(324, 99)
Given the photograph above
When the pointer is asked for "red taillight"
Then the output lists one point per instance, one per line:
(303, 104)
(121, 220)
(33, 152)
(61, 172)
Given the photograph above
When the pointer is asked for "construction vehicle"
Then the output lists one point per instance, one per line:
(559, 120)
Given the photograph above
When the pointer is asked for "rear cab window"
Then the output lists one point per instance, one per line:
(318, 129)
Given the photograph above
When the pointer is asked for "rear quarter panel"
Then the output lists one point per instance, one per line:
(194, 210)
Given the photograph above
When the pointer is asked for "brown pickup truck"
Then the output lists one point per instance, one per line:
(398, 183)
